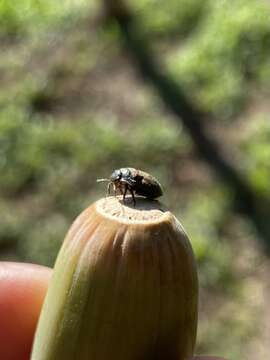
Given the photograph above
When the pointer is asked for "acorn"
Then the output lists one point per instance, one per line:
(124, 287)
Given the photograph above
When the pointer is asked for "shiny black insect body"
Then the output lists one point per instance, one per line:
(135, 181)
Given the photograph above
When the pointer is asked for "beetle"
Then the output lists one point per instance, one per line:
(135, 181)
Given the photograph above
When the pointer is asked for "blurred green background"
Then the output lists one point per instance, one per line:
(72, 109)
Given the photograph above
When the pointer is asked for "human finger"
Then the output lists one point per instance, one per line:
(22, 291)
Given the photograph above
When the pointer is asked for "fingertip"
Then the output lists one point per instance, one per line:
(22, 291)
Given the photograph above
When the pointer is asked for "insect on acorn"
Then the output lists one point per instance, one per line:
(135, 181)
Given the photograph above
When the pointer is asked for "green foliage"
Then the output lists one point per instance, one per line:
(225, 334)
(171, 17)
(18, 18)
(255, 148)
(16, 167)
(33, 149)
(43, 239)
(203, 218)
(223, 60)
(12, 227)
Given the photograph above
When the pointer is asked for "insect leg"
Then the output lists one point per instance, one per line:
(133, 197)
(125, 192)
(121, 190)
(109, 188)
(114, 190)
(128, 186)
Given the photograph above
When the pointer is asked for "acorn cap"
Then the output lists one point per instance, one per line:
(124, 287)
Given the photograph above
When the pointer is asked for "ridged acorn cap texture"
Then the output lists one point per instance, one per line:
(124, 287)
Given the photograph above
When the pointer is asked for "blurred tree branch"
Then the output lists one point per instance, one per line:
(245, 199)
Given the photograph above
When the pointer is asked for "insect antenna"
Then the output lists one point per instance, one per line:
(109, 184)
(103, 180)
